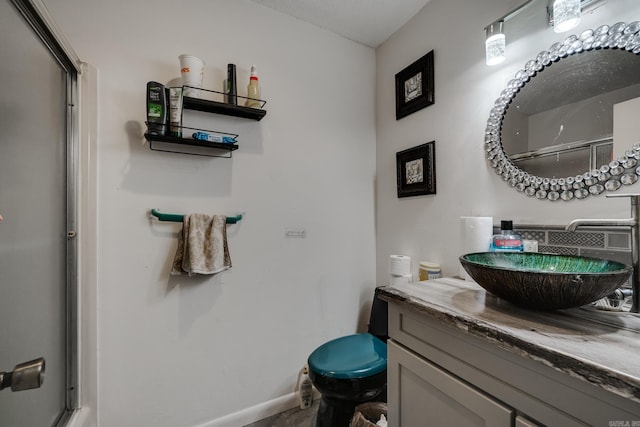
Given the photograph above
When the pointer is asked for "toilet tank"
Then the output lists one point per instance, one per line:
(378, 319)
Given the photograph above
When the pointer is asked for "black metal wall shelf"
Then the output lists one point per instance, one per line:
(206, 104)
(175, 144)
(223, 108)
(186, 145)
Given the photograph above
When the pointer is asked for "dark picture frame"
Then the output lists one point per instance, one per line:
(416, 169)
(414, 87)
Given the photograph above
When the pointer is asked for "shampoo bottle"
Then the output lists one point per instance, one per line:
(253, 90)
(507, 240)
(305, 389)
(156, 108)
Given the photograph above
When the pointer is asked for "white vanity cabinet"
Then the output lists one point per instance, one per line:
(439, 374)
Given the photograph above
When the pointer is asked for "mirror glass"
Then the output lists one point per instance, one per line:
(564, 126)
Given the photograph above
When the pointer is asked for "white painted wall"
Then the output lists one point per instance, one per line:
(190, 351)
(427, 227)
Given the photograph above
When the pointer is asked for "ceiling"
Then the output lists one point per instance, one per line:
(369, 22)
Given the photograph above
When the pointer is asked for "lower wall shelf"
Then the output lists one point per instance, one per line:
(174, 144)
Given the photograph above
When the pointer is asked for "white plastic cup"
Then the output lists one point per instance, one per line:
(192, 71)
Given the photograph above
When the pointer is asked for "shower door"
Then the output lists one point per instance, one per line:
(36, 270)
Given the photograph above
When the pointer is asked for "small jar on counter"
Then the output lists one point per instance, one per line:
(429, 270)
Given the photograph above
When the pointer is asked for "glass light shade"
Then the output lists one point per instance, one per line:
(566, 15)
(495, 48)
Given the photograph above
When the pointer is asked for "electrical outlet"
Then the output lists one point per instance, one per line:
(295, 233)
(530, 245)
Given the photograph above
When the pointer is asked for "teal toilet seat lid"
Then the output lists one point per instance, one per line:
(353, 356)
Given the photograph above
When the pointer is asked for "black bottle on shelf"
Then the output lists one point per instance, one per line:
(232, 86)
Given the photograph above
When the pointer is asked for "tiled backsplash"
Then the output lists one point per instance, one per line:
(608, 243)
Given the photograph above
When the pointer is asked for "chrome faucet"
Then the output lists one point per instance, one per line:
(632, 222)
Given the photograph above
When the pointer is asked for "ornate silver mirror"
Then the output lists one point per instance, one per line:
(567, 125)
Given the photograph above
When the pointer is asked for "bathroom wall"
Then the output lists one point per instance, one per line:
(224, 350)
(427, 227)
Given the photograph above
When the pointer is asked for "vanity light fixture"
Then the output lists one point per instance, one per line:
(566, 15)
(562, 14)
(495, 43)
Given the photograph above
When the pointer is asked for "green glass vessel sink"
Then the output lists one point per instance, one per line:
(545, 281)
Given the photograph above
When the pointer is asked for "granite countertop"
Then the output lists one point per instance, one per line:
(597, 346)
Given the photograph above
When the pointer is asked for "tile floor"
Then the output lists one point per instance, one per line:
(295, 417)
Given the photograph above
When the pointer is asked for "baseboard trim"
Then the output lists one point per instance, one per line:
(257, 412)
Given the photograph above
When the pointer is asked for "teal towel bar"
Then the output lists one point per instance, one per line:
(178, 218)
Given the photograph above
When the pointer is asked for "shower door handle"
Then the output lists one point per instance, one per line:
(24, 376)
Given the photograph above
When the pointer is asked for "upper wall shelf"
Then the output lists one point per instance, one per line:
(205, 102)
(207, 106)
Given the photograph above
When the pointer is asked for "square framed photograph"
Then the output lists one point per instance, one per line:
(416, 168)
(414, 87)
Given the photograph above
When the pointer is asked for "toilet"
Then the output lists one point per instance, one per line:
(351, 370)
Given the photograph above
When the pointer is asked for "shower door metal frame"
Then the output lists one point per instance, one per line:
(38, 18)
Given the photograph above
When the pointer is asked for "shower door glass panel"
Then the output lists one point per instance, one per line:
(33, 140)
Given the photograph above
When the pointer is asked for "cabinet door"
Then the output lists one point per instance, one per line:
(421, 394)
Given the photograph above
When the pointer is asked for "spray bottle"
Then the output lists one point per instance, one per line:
(305, 389)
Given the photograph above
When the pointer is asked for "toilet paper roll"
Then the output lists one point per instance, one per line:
(399, 265)
(400, 280)
(476, 236)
